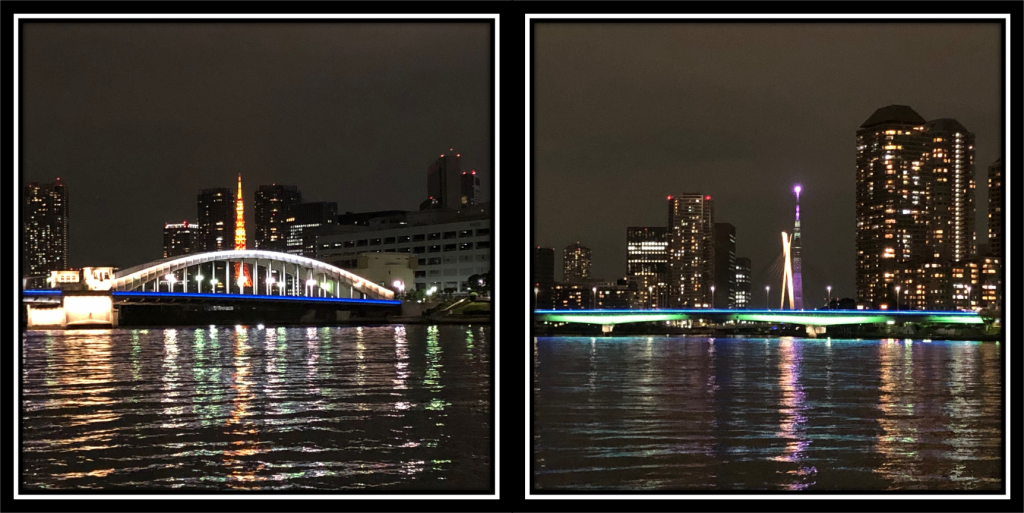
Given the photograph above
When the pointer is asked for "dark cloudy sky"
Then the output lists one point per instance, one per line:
(627, 114)
(135, 118)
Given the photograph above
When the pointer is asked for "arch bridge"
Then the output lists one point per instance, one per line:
(271, 273)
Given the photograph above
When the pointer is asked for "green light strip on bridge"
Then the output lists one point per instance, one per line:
(805, 319)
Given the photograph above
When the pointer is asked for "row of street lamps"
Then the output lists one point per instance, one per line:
(171, 280)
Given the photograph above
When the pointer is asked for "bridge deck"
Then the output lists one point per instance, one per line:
(806, 317)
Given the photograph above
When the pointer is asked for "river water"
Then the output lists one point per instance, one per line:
(351, 408)
(700, 414)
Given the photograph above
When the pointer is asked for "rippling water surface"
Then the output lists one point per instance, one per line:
(367, 408)
(664, 413)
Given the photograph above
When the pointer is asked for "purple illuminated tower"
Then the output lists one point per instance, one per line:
(798, 282)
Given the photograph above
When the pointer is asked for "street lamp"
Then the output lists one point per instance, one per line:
(897, 298)
(398, 284)
(650, 297)
(968, 296)
(199, 283)
(270, 284)
(595, 299)
(310, 283)
(712, 296)
(829, 289)
(241, 285)
(170, 282)
(213, 285)
(535, 291)
(766, 289)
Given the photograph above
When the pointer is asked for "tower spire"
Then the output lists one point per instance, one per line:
(241, 270)
(797, 290)
(239, 217)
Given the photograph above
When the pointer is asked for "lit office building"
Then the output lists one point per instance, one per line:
(271, 206)
(45, 218)
(303, 222)
(575, 263)
(215, 220)
(691, 219)
(647, 262)
(179, 239)
(448, 247)
(743, 283)
(995, 207)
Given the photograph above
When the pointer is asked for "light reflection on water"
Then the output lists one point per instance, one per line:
(675, 413)
(403, 407)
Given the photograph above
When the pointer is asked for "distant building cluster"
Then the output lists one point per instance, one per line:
(445, 245)
(915, 236)
(691, 263)
(916, 243)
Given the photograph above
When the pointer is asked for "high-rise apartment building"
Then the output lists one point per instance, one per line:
(647, 261)
(995, 207)
(216, 220)
(271, 204)
(45, 218)
(543, 276)
(892, 178)
(915, 207)
(743, 283)
(725, 266)
(575, 263)
(950, 190)
(691, 219)
(179, 239)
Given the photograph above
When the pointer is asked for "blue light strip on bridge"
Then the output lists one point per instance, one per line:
(251, 296)
(44, 292)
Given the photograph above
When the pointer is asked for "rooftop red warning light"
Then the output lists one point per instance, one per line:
(458, 154)
(670, 197)
(474, 171)
(707, 197)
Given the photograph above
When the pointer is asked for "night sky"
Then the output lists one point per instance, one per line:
(627, 114)
(135, 118)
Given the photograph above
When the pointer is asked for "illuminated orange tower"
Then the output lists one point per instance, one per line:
(241, 271)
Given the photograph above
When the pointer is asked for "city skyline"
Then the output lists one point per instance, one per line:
(186, 107)
(757, 122)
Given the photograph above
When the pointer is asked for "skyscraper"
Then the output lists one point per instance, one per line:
(725, 266)
(647, 261)
(915, 206)
(45, 218)
(271, 203)
(444, 181)
(543, 277)
(575, 263)
(469, 189)
(216, 218)
(304, 221)
(691, 219)
(995, 206)
(743, 284)
(179, 239)
(950, 185)
(891, 210)
(796, 284)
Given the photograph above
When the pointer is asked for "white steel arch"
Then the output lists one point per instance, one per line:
(146, 273)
